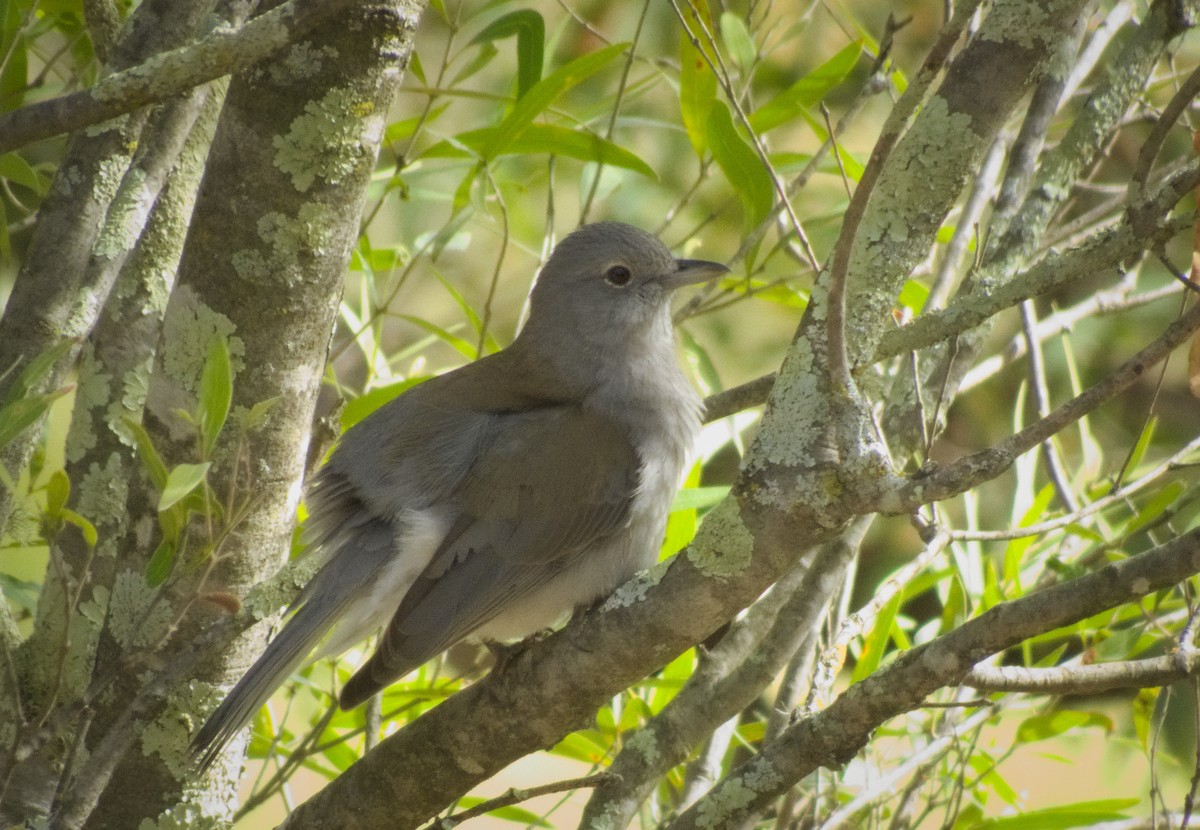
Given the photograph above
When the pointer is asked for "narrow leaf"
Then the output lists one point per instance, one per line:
(806, 92)
(1053, 724)
(544, 138)
(90, 536)
(58, 490)
(697, 83)
(216, 391)
(534, 102)
(160, 565)
(530, 29)
(741, 166)
(17, 416)
(877, 639)
(695, 498)
(737, 40)
(151, 460)
(36, 370)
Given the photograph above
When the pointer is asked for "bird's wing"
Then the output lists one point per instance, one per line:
(548, 484)
(416, 451)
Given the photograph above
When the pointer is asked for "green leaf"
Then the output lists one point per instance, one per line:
(697, 83)
(483, 57)
(254, 417)
(181, 481)
(58, 490)
(460, 345)
(1042, 727)
(544, 93)
(1156, 506)
(530, 29)
(36, 370)
(544, 138)
(17, 416)
(16, 169)
(90, 536)
(362, 406)
(1066, 817)
(1143, 706)
(405, 127)
(1014, 551)
(216, 391)
(161, 564)
(695, 498)
(913, 296)
(490, 344)
(1142, 445)
(151, 460)
(738, 40)
(806, 92)
(741, 166)
(876, 642)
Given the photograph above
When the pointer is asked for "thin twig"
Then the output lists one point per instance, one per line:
(516, 796)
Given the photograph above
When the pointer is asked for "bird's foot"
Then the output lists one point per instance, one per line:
(505, 653)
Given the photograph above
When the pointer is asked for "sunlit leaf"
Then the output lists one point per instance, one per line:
(544, 138)
(534, 102)
(362, 406)
(697, 83)
(1065, 817)
(181, 481)
(737, 39)
(806, 92)
(1052, 724)
(530, 29)
(694, 498)
(741, 166)
(877, 639)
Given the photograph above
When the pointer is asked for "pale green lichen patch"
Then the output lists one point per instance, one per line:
(270, 597)
(126, 216)
(302, 60)
(91, 391)
(724, 545)
(84, 628)
(103, 491)
(137, 620)
(329, 140)
(189, 328)
(313, 233)
(635, 590)
(1028, 25)
(799, 412)
(722, 804)
(134, 386)
(644, 744)
(169, 735)
(183, 816)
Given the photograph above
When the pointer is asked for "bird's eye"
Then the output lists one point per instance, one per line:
(618, 275)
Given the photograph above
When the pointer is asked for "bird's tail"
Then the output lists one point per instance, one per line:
(323, 601)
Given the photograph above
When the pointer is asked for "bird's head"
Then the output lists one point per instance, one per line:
(610, 281)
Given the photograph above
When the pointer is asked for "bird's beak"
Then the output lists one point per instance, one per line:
(692, 271)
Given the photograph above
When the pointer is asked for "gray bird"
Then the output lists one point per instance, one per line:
(491, 501)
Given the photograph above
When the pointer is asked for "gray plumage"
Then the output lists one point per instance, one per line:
(491, 501)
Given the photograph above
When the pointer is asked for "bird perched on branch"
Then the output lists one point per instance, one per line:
(491, 501)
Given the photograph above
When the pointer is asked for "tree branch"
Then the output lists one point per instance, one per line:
(832, 737)
(223, 52)
(986, 464)
(1086, 680)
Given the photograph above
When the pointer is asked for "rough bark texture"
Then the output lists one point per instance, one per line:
(274, 223)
